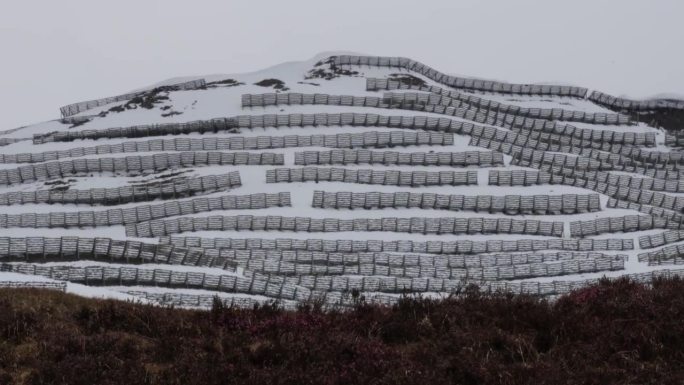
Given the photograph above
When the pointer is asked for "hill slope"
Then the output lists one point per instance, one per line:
(337, 175)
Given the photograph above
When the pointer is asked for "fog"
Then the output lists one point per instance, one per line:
(59, 52)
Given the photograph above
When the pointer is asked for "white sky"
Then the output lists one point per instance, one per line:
(59, 52)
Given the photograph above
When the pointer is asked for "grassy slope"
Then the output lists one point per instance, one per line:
(612, 333)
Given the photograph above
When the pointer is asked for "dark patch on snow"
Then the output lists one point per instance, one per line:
(331, 72)
(59, 184)
(176, 173)
(154, 179)
(277, 84)
(321, 62)
(55, 182)
(223, 83)
(117, 109)
(148, 100)
(409, 80)
(171, 113)
(309, 83)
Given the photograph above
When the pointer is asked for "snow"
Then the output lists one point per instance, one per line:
(74, 288)
(225, 102)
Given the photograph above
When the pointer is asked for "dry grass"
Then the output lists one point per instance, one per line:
(613, 333)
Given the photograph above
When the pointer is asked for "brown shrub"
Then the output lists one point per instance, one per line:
(616, 332)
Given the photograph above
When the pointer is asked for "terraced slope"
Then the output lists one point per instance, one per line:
(340, 177)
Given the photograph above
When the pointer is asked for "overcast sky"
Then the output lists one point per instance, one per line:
(59, 52)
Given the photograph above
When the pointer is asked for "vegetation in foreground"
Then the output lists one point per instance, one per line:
(613, 333)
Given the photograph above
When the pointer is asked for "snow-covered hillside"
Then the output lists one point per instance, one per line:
(340, 175)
